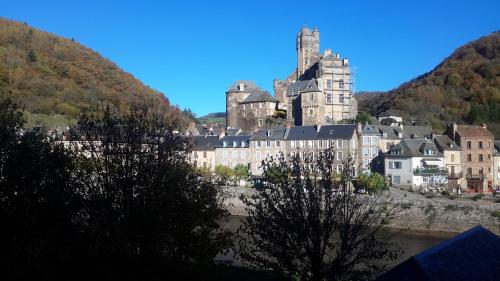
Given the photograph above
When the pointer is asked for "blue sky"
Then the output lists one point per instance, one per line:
(193, 50)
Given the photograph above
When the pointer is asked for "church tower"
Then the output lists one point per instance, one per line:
(307, 49)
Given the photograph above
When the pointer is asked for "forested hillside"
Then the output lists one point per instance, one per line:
(56, 79)
(464, 88)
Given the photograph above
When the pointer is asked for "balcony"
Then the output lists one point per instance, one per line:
(476, 176)
(455, 175)
(427, 171)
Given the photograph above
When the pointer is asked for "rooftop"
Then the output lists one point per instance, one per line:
(473, 131)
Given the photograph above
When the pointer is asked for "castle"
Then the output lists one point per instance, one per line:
(319, 91)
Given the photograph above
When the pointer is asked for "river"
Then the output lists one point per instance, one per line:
(410, 242)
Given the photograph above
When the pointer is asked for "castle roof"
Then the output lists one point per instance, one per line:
(302, 86)
(259, 96)
(248, 84)
(204, 142)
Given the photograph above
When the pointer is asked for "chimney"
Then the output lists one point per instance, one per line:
(241, 87)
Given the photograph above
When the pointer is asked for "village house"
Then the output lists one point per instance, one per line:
(415, 164)
(231, 151)
(203, 151)
(477, 146)
(496, 166)
(370, 146)
(453, 158)
(263, 144)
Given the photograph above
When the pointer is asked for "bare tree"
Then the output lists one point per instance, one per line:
(307, 223)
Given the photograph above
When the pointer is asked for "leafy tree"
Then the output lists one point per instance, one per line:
(240, 173)
(306, 225)
(39, 204)
(363, 118)
(147, 207)
(372, 183)
(223, 174)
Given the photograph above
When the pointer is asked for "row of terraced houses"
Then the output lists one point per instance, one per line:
(464, 157)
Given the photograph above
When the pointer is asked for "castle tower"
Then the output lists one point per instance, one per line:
(307, 49)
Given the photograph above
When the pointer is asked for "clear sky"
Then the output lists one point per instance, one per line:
(193, 50)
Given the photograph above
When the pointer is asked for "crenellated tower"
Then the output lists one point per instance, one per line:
(307, 49)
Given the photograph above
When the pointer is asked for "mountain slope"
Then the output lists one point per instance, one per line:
(464, 88)
(57, 78)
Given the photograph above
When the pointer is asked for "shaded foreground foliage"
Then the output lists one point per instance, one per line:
(307, 223)
(119, 203)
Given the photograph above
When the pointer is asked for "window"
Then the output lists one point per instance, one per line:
(328, 83)
(452, 157)
(292, 144)
(225, 153)
(301, 143)
(489, 156)
(341, 84)
(244, 114)
(261, 122)
(251, 105)
(339, 143)
(480, 144)
(469, 144)
(320, 143)
(329, 98)
(469, 157)
(204, 154)
(257, 113)
(268, 143)
(339, 156)
(366, 140)
(339, 169)
(374, 152)
(395, 164)
(480, 158)
(341, 98)
(311, 96)
(365, 152)
(277, 143)
(243, 154)
(469, 171)
(396, 179)
(234, 154)
(374, 141)
(310, 143)
(481, 171)
(257, 144)
(311, 111)
(260, 105)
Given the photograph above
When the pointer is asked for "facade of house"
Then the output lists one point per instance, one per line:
(453, 158)
(370, 146)
(263, 144)
(231, 151)
(477, 148)
(415, 164)
(203, 151)
(496, 166)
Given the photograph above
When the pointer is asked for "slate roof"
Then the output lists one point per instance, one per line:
(263, 134)
(443, 142)
(473, 131)
(336, 131)
(414, 148)
(391, 131)
(204, 142)
(231, 140)
(249, 85)
(302, 133)
(233, 132)
(370, 130)
(296, 88)
(470, 256)
(259, 95)
(417, 132)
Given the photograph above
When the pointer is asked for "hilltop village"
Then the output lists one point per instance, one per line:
(315, 108)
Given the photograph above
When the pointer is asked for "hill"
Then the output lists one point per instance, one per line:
(211, 118)
(464, 88)
(56, 79)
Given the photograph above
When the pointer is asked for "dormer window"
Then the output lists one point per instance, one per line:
(224, 144)
(429, 152)
(331, 132)
(234, 144)
(396, 152)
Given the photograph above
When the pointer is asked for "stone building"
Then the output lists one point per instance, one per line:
(477, 146)
(203, 151)
(320, 90)
(416, 164)
(452, 154)
(231, 151)
(263, 144)
(370, 146)
(248, 106)
(496, 166)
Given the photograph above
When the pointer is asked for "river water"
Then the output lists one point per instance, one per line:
(411, 242)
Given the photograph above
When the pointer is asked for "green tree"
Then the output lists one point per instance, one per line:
(307, 226)
(240, 173)
(223, 174)
(372, 183)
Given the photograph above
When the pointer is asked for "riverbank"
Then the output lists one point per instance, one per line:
(416, 213)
